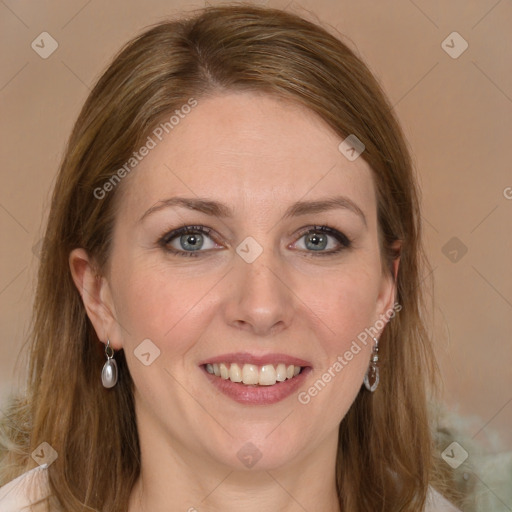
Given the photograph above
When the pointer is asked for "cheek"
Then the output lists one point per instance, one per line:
(347, 306)
(153, 303)
(347, 302)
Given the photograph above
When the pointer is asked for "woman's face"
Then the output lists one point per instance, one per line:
(251, 176)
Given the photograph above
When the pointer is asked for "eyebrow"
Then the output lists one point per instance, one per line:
(217, 209)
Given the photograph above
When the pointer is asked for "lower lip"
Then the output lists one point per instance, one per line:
(255, 394)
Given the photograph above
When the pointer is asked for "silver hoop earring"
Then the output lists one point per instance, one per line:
(109, 371)
(371, 379)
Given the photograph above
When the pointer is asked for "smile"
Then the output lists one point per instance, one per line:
(251, 374)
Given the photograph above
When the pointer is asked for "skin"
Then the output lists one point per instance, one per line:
(258, 155)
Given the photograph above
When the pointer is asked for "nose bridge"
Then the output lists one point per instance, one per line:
(261, 300)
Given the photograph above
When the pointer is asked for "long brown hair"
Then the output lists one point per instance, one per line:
(386, 458)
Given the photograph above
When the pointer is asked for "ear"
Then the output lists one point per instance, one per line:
(387, 292)
(96, 296)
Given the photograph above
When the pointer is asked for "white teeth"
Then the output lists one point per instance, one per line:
(235, 373)
(281, 372)
(267, 375)
(224, 372)
(250, 374)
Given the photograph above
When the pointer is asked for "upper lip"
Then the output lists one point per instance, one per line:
(258, 360)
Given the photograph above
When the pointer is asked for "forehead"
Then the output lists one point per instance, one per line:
(247, 148)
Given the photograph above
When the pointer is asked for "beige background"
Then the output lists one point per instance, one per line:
(457, 114)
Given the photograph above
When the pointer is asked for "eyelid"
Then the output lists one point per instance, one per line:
(325, 228)
(183, 230)
(343, 240)
(165, 240)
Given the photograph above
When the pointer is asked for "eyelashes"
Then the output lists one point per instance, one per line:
(312, 233)
(187, 235)
(194, 238)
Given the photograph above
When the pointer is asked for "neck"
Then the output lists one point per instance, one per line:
(189, 482)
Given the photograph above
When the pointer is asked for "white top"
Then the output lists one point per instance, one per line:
(33, 485)
(25, 490)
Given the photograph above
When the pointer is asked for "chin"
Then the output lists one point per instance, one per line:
(259, 454)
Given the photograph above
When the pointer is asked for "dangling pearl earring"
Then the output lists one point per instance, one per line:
(371, 379)
(109, 371)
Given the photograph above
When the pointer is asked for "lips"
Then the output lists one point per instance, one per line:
(242, 358)
(242, 376)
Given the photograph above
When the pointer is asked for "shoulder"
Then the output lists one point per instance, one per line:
(25, 490)
(438, 503)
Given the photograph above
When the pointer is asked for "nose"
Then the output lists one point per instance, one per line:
(261, 299)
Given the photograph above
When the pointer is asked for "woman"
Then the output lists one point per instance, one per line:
(228, 311)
